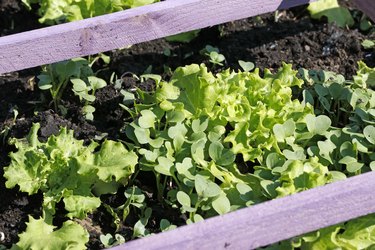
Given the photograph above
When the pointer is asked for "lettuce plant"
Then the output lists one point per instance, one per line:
(38, 233)
(216, 143)
(190, 131)
(63, 169)
(333, 11)
(60, 11)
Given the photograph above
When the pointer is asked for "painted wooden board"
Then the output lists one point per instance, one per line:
(271, 221)
(367, 6)
(125, 28)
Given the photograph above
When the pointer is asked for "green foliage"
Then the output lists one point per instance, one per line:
(40, 235)
(246, 66)
(64, 169)
(181, 136)
(286, 131)
(56, 77)
(213, 54)
(333, 11)
(109, 241)
(185, 37)
(191, 129)
(355, 234)
(86, 93)
(368, 44)
(60, 11)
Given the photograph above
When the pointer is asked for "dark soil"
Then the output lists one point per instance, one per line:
(293, 38)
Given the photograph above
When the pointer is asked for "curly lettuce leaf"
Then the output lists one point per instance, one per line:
(40, 235)
(63, 168)
(59, 11)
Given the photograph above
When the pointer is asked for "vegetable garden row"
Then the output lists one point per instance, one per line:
(191, 144)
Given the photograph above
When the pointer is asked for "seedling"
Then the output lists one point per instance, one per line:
(55, 77)
(54, 12)
(86, 93)
(110, 241)
(246, 66)
(214, 56)
(4, 133)
(368, 44)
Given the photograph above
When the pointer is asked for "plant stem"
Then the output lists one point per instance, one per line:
(158, 187)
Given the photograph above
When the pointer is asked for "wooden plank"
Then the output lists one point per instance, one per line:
(125, 28)
(271, 221)
(367, 6)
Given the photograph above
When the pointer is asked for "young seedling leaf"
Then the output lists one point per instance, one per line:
(183, 199)
(221, 205)
(147, 119)
(206, 188)
(317, 125)
(246, 66)
(164, 166)
(369, 133)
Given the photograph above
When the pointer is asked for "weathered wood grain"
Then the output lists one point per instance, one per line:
(125, 28)
(367, 6)
(271, 221)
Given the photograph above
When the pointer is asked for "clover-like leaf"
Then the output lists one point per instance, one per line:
(199, 125)
(183, 199)
(369, 132)
(206, 188)
(221, 204)
(246, 66)
(186, 168)
(285, 130)
(317, 125)
(96, 83)
(164, 166)
(352, 164)
(45, 82)
(79, 85)
(221, 155)
(147, 119)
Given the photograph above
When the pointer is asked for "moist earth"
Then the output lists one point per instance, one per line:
(267, 40)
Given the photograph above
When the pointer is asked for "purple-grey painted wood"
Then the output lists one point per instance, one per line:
(271, 221)
(125, 28)
(367, 6)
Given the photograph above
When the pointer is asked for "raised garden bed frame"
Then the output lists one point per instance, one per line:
(248, 228)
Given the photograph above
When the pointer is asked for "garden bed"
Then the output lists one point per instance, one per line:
(293, 38)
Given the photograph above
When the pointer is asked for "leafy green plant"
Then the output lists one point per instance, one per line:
(110, 241)
(180, 135)
(86, 93)
(333, 11)
(213, 53)
(184, 37)
(368, 44)
(69, 236)
(52, 11)
(216, 143)
(191, 130)
(55, 77)
(63, 169)
(246, 66)
(5, 130)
